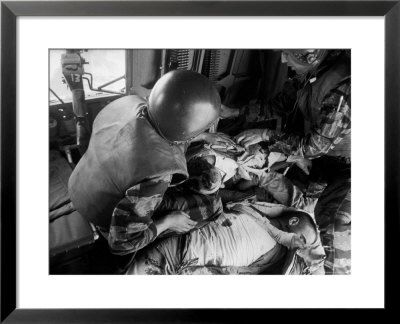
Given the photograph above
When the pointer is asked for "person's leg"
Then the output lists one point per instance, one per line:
(333, 214)
(334, 203)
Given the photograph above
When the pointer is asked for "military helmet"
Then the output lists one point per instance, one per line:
(183, 104)
(307, 57)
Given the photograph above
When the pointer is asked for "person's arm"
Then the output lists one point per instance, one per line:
(131, 224)
(282, 104)
(334, 123)
(289, 240)
(132, 227)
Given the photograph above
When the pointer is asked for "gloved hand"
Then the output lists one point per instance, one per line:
(252, 136)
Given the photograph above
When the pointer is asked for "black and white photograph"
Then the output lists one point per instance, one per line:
(200, 161)
(175, 161)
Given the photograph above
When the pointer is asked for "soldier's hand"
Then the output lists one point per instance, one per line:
(179, 222)
(250, 137)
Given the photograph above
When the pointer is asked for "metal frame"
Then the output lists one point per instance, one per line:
(11, 10)
(100, 88)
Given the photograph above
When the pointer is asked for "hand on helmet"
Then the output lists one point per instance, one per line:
(251, 136)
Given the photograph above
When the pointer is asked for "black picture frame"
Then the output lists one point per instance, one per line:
(11, 10)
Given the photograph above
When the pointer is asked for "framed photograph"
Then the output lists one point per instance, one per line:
(210, 142)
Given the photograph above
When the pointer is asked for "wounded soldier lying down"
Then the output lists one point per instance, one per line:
(251, 171)
(240, 241)
(247, 239)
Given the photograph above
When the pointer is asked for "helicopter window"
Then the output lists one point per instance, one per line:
(104, 75)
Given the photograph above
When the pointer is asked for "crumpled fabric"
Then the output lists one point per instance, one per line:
(254, 165)
(234, 239)
(235, 161)
(303, 163)
(275, 157)
(252, 162)
(285, 192)
(241, 164)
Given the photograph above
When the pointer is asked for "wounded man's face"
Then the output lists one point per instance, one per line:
(204, 177)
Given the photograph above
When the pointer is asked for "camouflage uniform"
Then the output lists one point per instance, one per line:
(315, 122)
(314, 109)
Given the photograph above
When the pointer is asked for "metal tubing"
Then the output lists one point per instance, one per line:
(108, 83)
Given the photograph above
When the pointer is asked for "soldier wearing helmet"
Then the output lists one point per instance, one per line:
(136, 151)
(315, 106)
